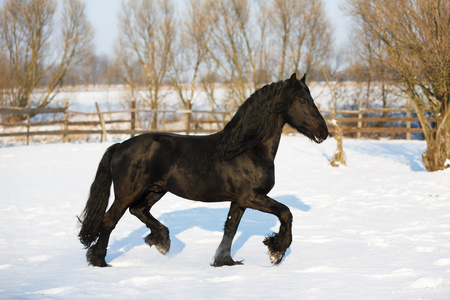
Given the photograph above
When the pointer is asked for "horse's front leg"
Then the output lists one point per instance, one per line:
(223, 255)
(277, 243)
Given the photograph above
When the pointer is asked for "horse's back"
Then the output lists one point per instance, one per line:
(167, 160)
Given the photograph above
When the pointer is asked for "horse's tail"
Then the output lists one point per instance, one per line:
(92, 215)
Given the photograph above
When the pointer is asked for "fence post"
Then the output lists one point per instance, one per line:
(188, 117)
(360, 115)
(102, 123)
(28, 128)
(408, 122)
(133, 118)
(164, 118)
(66, 121)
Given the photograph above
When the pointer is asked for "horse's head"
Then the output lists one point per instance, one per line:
(303, 114)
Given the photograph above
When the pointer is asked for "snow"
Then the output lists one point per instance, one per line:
(378, 228)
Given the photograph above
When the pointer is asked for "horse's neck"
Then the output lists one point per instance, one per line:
(272, 143)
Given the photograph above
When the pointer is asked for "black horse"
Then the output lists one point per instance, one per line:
(235, 164)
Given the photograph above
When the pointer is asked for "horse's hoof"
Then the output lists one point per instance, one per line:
(97, 262)
(276, 251)
(96, 259)
(100, 265)
(226, 262)
(162, 245)
(276, 257)
(163, 248)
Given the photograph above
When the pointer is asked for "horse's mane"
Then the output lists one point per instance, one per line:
(254, 122)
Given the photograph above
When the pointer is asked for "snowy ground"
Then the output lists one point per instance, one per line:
(376, 229)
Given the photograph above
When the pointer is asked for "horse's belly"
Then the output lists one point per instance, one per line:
(197, 177)
(198, 192)
(196, 186)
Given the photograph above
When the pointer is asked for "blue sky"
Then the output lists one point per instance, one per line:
(103, 16)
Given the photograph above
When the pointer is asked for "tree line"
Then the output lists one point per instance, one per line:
(241, 44)
(237, 42)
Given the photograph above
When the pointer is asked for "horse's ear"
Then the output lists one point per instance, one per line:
(293, 79)
(303, 78)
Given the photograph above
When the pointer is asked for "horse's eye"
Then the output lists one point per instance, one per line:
(302, 101)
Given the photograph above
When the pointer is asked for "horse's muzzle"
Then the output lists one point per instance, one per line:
(323, 135)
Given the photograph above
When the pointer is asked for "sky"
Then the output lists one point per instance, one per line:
(103, 15)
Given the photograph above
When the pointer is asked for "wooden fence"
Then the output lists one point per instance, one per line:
(375, 122)
(67, 123)
(389, 122)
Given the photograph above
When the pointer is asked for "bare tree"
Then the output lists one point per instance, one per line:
(98, 71)
(35, 53)
(416, 34)
(338, 158)
(208, 80)
(236, 43)
(189, 54)
(236, 39)
(303, 33)
(146, 36)
(369, 61)
(282, 20)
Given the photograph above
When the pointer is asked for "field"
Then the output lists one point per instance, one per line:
(376, 229)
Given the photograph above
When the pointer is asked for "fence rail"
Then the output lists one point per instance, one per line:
(394, 122)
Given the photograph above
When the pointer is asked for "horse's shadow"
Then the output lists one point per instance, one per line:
(213, 219)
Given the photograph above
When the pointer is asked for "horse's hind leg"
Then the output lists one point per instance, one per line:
(223, 255)
(97, 253)
(159, 234)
